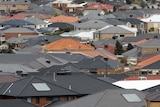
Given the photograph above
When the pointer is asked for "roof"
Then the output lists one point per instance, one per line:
(16, 22)
(62, 1)
(35, 20)
(15, 16)
(80, 82)
(153, 18)
(67, 44)
(61, 25)
(131, 20)
(99, 62)
(150, 77)
(115, 30)
(104, 42)
(148, 61)
(18, 30)
(29, 88)
(113, 21)
(137, 84)
(15, 103)
(8, 78)
(132, 53)
(154, 65)
(13, 68)
(62, 18)
(90, 24)
(153, 96)
(151, 43)
(105, 98)
(99, 52)
(97, 6)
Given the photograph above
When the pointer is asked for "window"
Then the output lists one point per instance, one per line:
(121, 35)
(131, 97)
(14, 5)
(155, 25)
(142, 25)
(41, 86)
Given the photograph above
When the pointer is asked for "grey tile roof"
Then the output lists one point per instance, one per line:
(113, 21)
(61, 25)
(13, 68)
(40, 40)
(92, 24)
(16, 89)
(17, 30)
(80, 82)
(131, 53)
(151, 43)
(131, 20)
(152, 89)
(153, 96)
(35, 20)
(15, 103)
(98, 63)
(107, 98)
(152, 66)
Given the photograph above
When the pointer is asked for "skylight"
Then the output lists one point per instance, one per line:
(41, 86)
(131, 98)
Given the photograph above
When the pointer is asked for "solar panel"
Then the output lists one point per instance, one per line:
(131, 97)
(41, 86)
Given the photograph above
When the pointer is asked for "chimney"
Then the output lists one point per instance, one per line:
(54, 76)
(70, 87)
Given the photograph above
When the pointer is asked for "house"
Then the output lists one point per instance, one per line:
(153, 23)
(37, 22)
(135, 23)
(15, 103)
(107, 44)
(99, 6)
(76, 81)
(82, 34)
(36, 91)
(61, 25)
(140, 85)
(65, 45)
(89, 25)
(10, 32)
(101, 65)
(14, 5)
(12, 17)
(115, 32)
(149, 65)
(63, 18)
(122, 98)
(152, 99)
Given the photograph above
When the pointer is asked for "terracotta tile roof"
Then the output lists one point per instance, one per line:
(156, 77)
(16, 16)
(67, 44)
(62, 18)
(8, 78)
(99, 6)
(148, 61)
(97, 53)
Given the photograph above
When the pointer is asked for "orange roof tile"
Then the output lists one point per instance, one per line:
(97, 53)
(100, 6)
(148, 61)
(67, 44)
(141, 41)
(16, 16)
(62, 18)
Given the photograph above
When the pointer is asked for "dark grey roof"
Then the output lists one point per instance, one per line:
(104, 42)
(16, 22)
(25, 88)
(99, 63)
(132, 53)
(113, 21)
(15, 103)
(61, 25)
(80, 82)
(153, 96)
(40, 40)
(131, 20)
(107, 98)
(18, 30)
(152, 89)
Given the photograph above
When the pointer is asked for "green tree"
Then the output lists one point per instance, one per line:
(119, 48)
(130, 46)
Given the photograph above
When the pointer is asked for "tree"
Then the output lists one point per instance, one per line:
(130, 46)
(119, 48)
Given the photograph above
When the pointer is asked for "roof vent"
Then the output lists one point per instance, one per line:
(48, 62)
